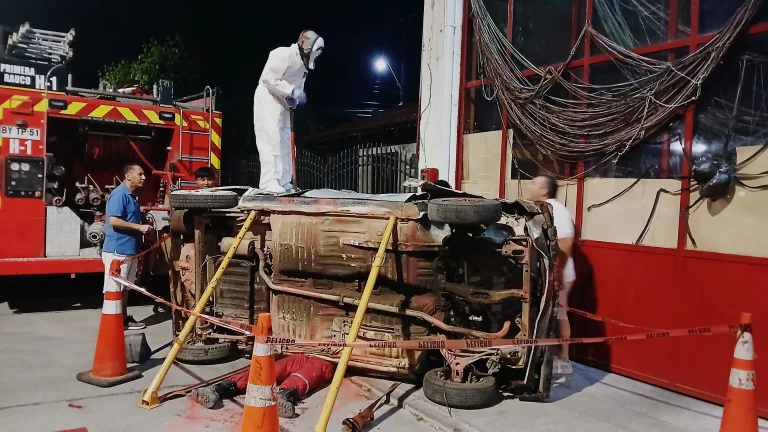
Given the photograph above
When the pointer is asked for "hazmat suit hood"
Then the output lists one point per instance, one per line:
(310, 47)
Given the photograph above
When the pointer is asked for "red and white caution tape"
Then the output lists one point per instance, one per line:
(157, 244)
(599, 318)
(440, 344)
(243, 328)
(463, 344)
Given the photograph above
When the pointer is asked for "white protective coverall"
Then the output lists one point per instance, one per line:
(281, 85)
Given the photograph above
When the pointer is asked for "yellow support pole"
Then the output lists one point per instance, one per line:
(149, 398)
(341, 368)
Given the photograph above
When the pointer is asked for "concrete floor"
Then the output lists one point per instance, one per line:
(587, 401)
(44, 350)
(46, 345)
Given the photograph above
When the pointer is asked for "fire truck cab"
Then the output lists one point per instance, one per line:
(63, 149)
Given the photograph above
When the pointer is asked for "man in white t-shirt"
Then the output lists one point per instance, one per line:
(544, 188)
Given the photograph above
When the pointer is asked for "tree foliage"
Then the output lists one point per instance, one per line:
(158, 60)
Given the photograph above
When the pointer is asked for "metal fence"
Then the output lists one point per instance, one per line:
(241, 169)
(372, 168)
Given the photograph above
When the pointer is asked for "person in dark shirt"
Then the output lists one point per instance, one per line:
(125, 229)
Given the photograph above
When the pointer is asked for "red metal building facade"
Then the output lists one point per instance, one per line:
(669, 287)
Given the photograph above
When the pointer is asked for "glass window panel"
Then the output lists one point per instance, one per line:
(481, 111)
(499, 12)
(542, 30)
(683, 19)
(531, 162)
(713, 14)
(470, 55)
(633, 23)
(715, 123)
(637, 159)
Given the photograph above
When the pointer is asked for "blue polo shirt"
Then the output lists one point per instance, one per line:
(124, 205)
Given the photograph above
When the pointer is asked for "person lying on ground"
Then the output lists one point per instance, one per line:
(298, 374)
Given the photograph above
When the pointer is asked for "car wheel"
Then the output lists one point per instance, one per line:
(204, 199)
(195, 352)
(439, 389)
(464, 211)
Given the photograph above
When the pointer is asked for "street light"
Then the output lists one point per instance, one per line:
(381, 64)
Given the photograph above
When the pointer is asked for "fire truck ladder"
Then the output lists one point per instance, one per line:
(207, 107)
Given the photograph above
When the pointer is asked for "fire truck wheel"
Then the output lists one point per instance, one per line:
(198, 353)
(203, 199)
(439, 388)
(464, 211)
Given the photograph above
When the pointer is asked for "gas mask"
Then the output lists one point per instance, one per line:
(310, 47)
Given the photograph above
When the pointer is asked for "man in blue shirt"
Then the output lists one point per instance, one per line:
(125, 229)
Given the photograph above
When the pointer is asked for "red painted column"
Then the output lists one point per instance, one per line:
(671, 36)
(685, 196)
(504, 117)
(580, 185)
(462, 90)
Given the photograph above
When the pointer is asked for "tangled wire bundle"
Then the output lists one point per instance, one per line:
(597, 121)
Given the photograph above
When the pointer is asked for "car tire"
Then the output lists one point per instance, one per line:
(205, 200)
(196, 353)
(464, 211)
(477, 395)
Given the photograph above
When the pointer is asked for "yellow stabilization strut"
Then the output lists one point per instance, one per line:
(149, 398)
(341, 368)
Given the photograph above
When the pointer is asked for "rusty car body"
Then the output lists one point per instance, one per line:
(306, 259)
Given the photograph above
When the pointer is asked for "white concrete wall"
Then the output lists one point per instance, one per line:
(623, 220)
(482, 163)
(439, 86)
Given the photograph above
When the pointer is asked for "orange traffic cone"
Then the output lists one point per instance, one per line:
(260, 412)
(109, 366)
(740, 414)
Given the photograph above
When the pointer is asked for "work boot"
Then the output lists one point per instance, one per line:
(286, 403)
(208, 396)
(205, 396)
(560, 367)
(129, 323)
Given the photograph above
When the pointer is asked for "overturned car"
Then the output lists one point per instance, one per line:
(458, 266)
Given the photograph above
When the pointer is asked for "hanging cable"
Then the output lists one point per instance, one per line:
(596, 121)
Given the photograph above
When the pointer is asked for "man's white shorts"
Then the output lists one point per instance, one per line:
(569, 279)
(127, 270)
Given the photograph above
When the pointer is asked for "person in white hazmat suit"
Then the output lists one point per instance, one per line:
(281, 89)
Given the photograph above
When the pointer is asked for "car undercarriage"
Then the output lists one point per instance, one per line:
(458, 267)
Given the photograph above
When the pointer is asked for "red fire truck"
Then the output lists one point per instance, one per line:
(62, 151)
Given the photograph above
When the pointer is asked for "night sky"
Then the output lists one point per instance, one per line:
(232, 39)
